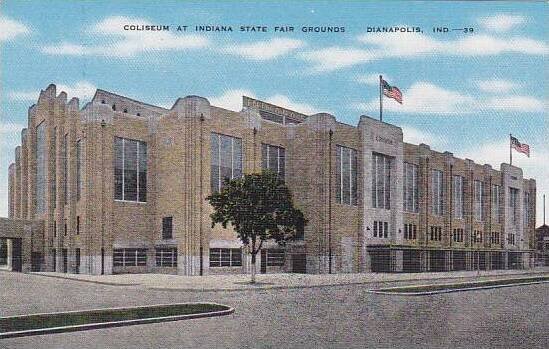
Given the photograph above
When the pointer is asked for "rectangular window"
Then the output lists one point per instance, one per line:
(274, 257)
(381, 229)
(435, 233)
(437, 192)
(457, 235)
(166, 257)
(381, 181)
(130, 170)
(78, 169)
(410, 232)
(225, 257)
(458, 197)
(66, 168)
(77, 225)
(40, 194)
(346, 173)
(513, 204)
(54, 173)
(226, 157)
(479, 198)
(496, 197)
(525, 208)
(167, 228)
(273, 158)
(411, 188)
(477, 236)
(129, 257)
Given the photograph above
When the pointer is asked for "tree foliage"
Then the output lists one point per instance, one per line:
(259, 207)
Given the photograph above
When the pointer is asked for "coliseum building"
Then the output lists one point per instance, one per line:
(119, 186)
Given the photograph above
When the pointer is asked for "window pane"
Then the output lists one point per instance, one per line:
(41, 168)
(354, 180)
(282, 162)
(225, 159)
(130, 170)
(118, 156)
(142, 171)
(214, 173)
(264, 156)
(345, 175)
(237, 157)
(338, 170)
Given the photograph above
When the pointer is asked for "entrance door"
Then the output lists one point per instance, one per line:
(77, 257)
(17, 253)
(299, 263)
(65, 260)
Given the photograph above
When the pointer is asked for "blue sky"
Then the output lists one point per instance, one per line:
(462, 92)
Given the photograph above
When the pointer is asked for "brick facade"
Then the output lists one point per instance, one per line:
(89, 230)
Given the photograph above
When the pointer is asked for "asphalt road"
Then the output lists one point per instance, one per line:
(326, 317)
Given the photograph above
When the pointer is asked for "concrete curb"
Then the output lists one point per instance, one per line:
(278, 287)
(100, 325)
(427, 293)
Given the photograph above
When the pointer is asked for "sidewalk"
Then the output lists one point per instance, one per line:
(274, 281)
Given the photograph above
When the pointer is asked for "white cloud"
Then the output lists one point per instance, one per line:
(232, 100)
(371, 79)
(117, 42)
(428, 98)
(496, 85)
(414, 135)
(414, 45)
(335, 57)
(10, 29)
(514, 103)
(501, 23)
(265, 50)
(83, 90)
(10, 127)
(423, 98)
(286, 102)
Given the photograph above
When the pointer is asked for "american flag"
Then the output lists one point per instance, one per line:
(520, 147)
(391, 91)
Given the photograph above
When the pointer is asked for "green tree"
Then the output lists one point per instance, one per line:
(259, 207)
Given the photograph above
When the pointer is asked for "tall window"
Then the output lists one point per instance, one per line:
(130, 170)
(410, 188)
(496, 196)
(65, 168)
(513, 203)
(458, 197)
(167, 228)
(41, 168)
(346, 172)
(437, 192)
(381, 181)
(273, 159)
(226, 153)
(479, 198)
(525, 208)
(78, 169)
(54, 174)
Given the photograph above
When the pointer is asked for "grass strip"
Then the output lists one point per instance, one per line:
(464, 285)
(41, 321)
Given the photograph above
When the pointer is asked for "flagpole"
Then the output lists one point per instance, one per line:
(510, 150)
(380, 99)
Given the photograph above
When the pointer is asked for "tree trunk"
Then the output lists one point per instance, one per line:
(253, 268)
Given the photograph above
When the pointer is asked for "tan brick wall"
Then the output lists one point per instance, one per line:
(178, 182)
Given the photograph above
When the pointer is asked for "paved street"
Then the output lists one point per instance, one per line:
(320, 317)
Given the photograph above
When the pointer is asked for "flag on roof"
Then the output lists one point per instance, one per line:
(391, 91)
(520, 147)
